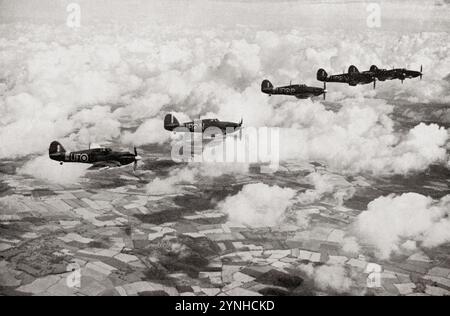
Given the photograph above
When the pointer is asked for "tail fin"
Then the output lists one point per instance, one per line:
(56, 148)
(322, 75)
(266, 86)
(373, 68)
(352, 70)
(170, 122)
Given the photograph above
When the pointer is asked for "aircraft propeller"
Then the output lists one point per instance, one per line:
(421, 74)
(136, 159)
(374, 83)
(240, 128)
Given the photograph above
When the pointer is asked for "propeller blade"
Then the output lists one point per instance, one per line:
(135, 151)
(421, 70)
(135, 165)
(374, 83)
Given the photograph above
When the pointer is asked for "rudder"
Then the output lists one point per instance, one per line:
(56, 148)
(321, 74)
(266, 86)
(170, 122)
(352, 70)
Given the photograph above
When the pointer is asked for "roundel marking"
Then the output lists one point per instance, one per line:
(84, 158)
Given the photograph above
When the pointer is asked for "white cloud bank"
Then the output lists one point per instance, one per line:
(258, 205)
(100, 82)
(172, 184)
(51, 171)
(395, 224)
(330, 277)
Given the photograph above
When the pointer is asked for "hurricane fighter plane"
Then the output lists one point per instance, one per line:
(300, 91)
(391, 74)
(100, 158)
(200, 126)
(353, 77)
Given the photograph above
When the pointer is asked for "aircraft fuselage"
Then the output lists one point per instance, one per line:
(299, 91)
(351, 79)
(201, 126)
(93, 156)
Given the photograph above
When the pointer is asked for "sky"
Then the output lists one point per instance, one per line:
(397, 15)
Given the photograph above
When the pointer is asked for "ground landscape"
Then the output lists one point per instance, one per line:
(359, 204)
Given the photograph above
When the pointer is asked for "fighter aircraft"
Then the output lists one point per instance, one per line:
(100, 158)
(397, 73)
(353, 77)
(300, 91)
(171, 123)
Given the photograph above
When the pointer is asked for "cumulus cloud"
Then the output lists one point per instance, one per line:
(149, 132)
(360, 137)
(328, 277)
(169, 185)
(48, 170)
(334, 186)
(258, 205)
(172, 183)
(351, 245)
(395, 224)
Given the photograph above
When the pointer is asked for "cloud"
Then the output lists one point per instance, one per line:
(169, 185)
(351, 245)
(172, 184)
(334, 186)
(48, 170)
(328, 277)
(151, 131)
(101, 84)
(394, 223)
(258, 205)
(360, 137)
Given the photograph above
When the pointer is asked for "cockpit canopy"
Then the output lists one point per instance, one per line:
(102, 150)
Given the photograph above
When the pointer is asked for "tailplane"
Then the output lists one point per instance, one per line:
(170, 122)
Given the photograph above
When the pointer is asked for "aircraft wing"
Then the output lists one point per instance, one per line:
(105, 165)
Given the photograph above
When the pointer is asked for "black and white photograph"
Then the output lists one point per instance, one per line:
(242, 149)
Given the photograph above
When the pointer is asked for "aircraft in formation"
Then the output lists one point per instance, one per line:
(172, 124)
(104, 158)
(300, 91)
(100, 158)
(394, 73)
(353, 77)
